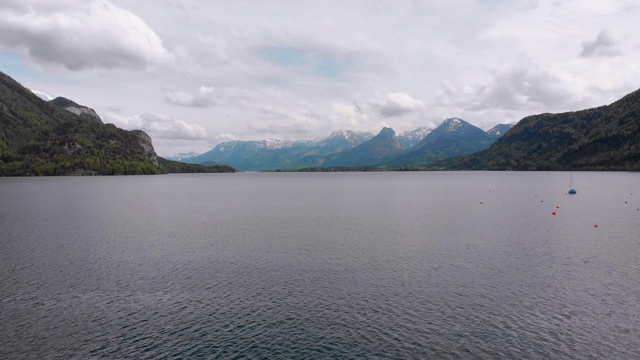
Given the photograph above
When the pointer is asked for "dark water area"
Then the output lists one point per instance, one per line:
(342, 265)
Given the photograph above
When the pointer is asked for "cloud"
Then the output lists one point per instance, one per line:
(204, 97)
(330, 62)
(317, 61)
(603, 45)
(397, 104)
(277, 123)
(159, 127)
(518, 88)
(42, 95)
(344, 115)
(81, 35)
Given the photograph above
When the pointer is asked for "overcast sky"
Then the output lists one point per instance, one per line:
(193, 73)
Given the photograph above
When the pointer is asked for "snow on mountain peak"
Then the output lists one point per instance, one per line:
(454, 123)
(410, 138)
(420, 132)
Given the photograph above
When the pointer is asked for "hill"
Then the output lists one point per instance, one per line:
(603, 138)
(61, 137)
(166, 166)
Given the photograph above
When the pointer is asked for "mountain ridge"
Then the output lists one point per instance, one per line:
(601, 138)
(384, 144)
(260, 155)
(453, 137)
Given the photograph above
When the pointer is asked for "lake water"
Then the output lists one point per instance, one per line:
(321, 265)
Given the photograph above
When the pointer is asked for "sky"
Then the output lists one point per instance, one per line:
(194, 73)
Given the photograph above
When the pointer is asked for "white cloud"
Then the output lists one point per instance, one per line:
(81, 35)
(285, 126)
(346, 116)
(158, 126)
(397, 104)
(41, 94)
(288, 69)
(522, 87)
(204, 97)
(603, 45)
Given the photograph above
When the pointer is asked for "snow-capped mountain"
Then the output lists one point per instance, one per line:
(454, 137)
(342, 140)
(259, 155)
(378, 147)
(409, 139)
(500, 129)
(183, 156)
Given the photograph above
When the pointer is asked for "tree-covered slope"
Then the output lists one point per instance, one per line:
(603, 138)
(47, 138)
(41, 138)
(166, 166)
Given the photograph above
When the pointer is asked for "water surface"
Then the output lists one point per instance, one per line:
(315, 265)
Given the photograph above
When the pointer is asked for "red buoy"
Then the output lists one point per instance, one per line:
(553, 213)
(596, 225)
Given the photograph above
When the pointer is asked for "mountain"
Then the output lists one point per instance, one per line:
(409, 139)
(61, 137)
(369, 152)
(602, 138)
(276, 154)
(344, 148)
(182, 156)
(454, 137)
(81, 111)
(338, 141)
(500, 129)
(252, 155)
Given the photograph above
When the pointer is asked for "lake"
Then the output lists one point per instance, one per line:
(321, 265)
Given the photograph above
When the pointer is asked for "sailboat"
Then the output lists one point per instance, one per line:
(572, 191)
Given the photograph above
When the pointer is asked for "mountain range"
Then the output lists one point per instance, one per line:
(601, 138)
(61, 137)
(341, 149)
